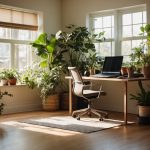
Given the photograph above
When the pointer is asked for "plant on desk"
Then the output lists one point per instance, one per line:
(141, 53)
(143, 101)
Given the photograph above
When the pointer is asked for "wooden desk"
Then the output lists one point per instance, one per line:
(124, 81)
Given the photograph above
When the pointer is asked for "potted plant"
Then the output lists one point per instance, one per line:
(51, 64)
(12, 76)
(48, 82)
(1, 96)
(3, 77)
(29, 77)
(77, 42)
(92, 62)
(141, 53)
(143, 101)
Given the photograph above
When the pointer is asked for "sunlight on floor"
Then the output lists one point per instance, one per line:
(41, 129)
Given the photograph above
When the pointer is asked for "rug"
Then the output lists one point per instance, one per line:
(85, 125)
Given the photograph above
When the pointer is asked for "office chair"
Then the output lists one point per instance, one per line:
(84, 91)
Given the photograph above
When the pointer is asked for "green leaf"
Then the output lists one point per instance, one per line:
(50, 48)
(43, 63)
(41, 40)
(142, 29)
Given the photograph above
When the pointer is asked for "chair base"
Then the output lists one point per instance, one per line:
(101, 114)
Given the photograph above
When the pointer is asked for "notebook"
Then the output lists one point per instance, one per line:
(111, 68)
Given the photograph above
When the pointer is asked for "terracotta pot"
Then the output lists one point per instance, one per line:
(124, 71)
(144, 111)
(51, 103)
(12, 81)
(146, 71)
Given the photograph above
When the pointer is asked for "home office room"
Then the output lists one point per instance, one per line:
(74, 74)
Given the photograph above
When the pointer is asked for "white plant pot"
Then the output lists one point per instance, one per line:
(4, 82)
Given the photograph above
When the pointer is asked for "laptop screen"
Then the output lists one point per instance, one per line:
(112, 64)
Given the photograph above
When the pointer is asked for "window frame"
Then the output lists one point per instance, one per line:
(118, 38)
(13, 62)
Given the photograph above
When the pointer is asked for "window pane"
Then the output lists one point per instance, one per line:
(107, 21)
(98, 22)
(136, 30)
(144, 17)
(4, 55)
(127, 31)
(23, 34)
(97, 31)
(112, 32)
(137, 18)
(105, 49)
(112, 23)
(126, 19)
(136, 43)
(23, 53)
(97, 47)
(107, 33)
(126, 48)
(5, 33)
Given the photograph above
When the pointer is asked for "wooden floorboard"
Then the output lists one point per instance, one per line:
(130, 137)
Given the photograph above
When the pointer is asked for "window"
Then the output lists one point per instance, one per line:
(131, 23)
(17, 29)
(122, 29)
(106, 24)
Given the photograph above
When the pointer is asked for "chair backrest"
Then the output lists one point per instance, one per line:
(77, 81)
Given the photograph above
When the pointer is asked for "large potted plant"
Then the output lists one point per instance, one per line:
(143, 101)
(50, 66)
(77, 42)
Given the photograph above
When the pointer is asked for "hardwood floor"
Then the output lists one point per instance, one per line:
(130, 137)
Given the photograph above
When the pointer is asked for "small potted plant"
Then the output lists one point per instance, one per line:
(29, 77)
(12, 76)
(143, 101)
(3, 77)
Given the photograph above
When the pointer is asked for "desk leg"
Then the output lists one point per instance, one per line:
(70, 96)
(125, 102)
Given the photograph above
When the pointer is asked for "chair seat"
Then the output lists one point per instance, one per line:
(91, 93)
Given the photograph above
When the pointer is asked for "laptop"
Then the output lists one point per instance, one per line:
(111, 67)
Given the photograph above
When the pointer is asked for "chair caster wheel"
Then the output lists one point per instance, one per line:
(78, 118)
(74, 116)
(100, 119)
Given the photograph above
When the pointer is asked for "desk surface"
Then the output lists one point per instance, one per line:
(112, 79)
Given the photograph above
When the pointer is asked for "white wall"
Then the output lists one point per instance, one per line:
(51, 10)
(75, 11)
(148, 10)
